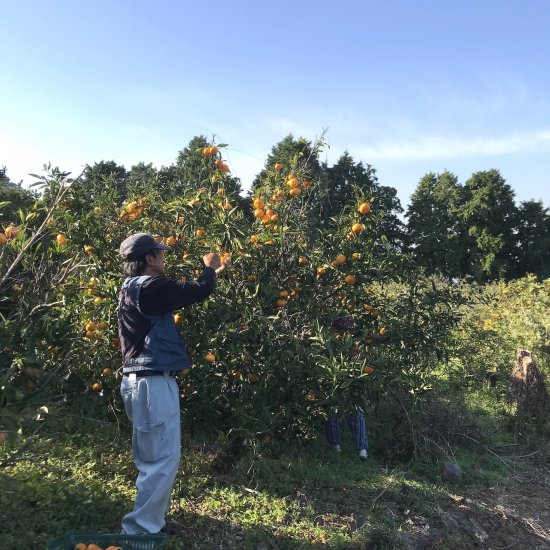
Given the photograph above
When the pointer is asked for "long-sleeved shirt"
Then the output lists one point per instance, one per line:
(158, 295)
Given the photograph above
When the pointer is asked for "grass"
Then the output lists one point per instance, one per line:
(78, 475)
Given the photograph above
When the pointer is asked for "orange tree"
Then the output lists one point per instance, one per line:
(301, 325)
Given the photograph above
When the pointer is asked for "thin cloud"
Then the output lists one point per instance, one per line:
(446, 148)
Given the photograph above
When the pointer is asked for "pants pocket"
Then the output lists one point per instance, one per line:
(150, 440)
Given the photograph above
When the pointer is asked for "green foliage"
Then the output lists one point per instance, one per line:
(532, 253)
(13, 199)
(295, 334)
(435, 230)
(507, 316)
(475, 229)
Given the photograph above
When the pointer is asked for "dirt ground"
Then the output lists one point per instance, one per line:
(512, 513)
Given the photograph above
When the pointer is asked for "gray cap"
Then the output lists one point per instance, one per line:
(139, 244)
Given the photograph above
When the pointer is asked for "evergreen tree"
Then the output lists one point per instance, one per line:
(435, 231)
(191, 169)
(489, 213)
(532, 254)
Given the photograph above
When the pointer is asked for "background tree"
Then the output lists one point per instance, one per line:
(102, 176)
(15, 197)
(435, 231)
(391, 225)
(489, 213)
(290, 157)
(532, 253)
(340, 178)
(191, 169)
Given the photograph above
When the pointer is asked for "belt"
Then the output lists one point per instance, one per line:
(151, 373)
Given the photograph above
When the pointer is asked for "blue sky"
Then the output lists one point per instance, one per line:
(408, 87)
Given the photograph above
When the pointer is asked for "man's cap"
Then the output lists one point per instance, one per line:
(139, 244)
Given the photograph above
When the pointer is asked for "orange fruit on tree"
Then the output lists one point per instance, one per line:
(61, 239)
(219, 164)
(107, 372)
(283, 294)
(383, 331)
(281, 302)
(364, 208)
(277, 166)
(367, 370)
(81, 546)
(178, 318)
(131, 207)
(350, 279)
(210, 357)
(357, 228)
(306, 183)
(302, 260)
(259, 213)
(258, 203)
(253, 377)
(292, 183)
(213, 150)
(295, 192)
(340, 259)
(207, 151)
(321, 270)
(11, 231)
(200, 232)
(171, 241)
(97, 386)
(3, 239)
(89, 249)
(368, 307)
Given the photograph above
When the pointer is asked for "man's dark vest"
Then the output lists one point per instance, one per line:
(164, 348)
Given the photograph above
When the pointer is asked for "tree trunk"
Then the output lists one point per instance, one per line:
(530, 394)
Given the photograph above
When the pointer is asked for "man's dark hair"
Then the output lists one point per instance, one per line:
(134, 268)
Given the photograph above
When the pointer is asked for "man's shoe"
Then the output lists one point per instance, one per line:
(337, 448)
(363, 454)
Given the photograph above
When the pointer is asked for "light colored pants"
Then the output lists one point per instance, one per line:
(152, 405)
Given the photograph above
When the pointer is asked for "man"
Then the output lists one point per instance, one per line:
(357, 425)
(153, 352)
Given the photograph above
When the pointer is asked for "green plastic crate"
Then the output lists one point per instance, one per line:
(104, 540)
